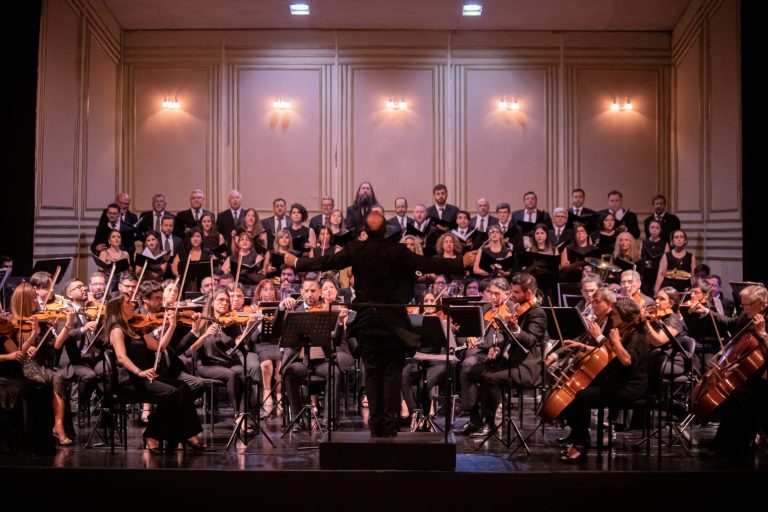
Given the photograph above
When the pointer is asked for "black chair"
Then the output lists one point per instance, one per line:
(643, 405)
(113, 413)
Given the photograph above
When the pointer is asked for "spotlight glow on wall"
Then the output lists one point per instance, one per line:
(621, 105)
(171, 103)
(507, 104)
(281, 104)
(395, 104)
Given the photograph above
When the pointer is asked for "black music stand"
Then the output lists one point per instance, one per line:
(303, 330)
(241, 423)
(571, 324)
(510, 342)
(50, 267)
(433, 340)
(675, 432)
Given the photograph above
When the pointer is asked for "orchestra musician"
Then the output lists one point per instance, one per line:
(74, 364)
(175, 418)
(496, 249)
(527, 323)
(269, 353)
(385, 274)
(214, 341)
(298, 365)
(624, 378)
(28, 348)
(630, 286)
(745, 410)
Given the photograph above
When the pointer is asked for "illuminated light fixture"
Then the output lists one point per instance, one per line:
(472, 9)
(281, 104)
(620, 106)
(170, 102)
(395, 104)
(506, 104)
(300, 9)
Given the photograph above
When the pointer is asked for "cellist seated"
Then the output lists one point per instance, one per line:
(746, 407)
(624, 377)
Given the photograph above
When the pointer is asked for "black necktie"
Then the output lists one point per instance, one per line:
(157, 222)
(167, 245)
(196, 215)
(440, 213)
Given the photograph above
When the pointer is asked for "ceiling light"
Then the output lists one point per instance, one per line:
(472, 9)
(300, 9)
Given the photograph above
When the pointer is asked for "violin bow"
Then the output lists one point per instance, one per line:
(91, 337)
(239, 264)
(160, 347)
(141, 276)
(557, 324)
(53, 282)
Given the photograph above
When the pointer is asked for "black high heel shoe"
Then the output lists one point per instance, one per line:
(154, 450)
(575, 458)
(196, 445)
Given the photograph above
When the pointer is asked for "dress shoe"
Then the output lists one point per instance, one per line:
(483, 431)
(468, 429)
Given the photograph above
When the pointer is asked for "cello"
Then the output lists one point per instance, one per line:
(744, 355)
(580, 375)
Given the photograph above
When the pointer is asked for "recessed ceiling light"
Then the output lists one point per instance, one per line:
(472, 9)
(300, 9)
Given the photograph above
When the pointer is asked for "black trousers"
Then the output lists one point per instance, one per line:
(435, 373)
(579, 412)
(384, 360)
(742, 414)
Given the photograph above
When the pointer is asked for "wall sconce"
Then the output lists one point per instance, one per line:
(170, 102)
(394, 104)
(621, 105)
(506, 104)
(281, 104)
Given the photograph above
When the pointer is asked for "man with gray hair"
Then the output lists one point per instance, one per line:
(188, 219)
(327, 203)
(560, 234)
(630, 289)
(229, 219)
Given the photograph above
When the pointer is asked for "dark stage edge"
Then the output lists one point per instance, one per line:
(407, 451)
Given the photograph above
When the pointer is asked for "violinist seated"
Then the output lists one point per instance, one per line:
(602, 303)
(221, 337)
(151, 295)
(175, 418)
(296, 365)
(630, 286)
(505, 359)
(660, 362)
(80, 359)
(695, 312)
(28, 343)
(746, 407)
(267, 350)
(623, 378)
(436, 371)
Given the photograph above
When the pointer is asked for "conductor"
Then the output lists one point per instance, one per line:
(385, 274)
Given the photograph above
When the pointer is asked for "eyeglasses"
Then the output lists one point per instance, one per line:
(747, 304)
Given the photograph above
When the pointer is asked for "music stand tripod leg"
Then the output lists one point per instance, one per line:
(240, 430)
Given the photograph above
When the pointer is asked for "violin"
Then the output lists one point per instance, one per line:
(145, 323)
(93, 311)
(654, 313)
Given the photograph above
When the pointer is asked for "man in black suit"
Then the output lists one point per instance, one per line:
(187, 219)
(560, 234)
(401, 220)
(151, 219)
(112, 221)
(357, 211)
(578, 209)
(277, 221)
(74, 365)
(327, 204)
(722, 304)
(441, 209)
(168, 241)
(483, 220)
(229, 219)
(625, 219)
(385, 274)
(530, 213)
(669, 223)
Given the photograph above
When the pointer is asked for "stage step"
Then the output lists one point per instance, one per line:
(409, 450)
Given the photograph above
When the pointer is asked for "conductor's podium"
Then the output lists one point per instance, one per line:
(407, 451)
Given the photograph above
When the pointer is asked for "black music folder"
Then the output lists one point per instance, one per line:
(299, 242)
(153, 260)
(120, 265)
(588, 220)
(443, 225)
(50, 265)
(469, 319)
(412, 230)
(489, 263)
(581, 253)
(624, 264)
(526, 227)
(341, 239)
(538, 260)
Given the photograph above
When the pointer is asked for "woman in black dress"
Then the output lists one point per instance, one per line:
(676, 266)
(175, 418)
(605, 238)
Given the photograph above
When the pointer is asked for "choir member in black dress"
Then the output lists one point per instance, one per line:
(676, 266)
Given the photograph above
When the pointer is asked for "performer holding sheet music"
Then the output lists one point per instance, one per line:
(495, 258)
